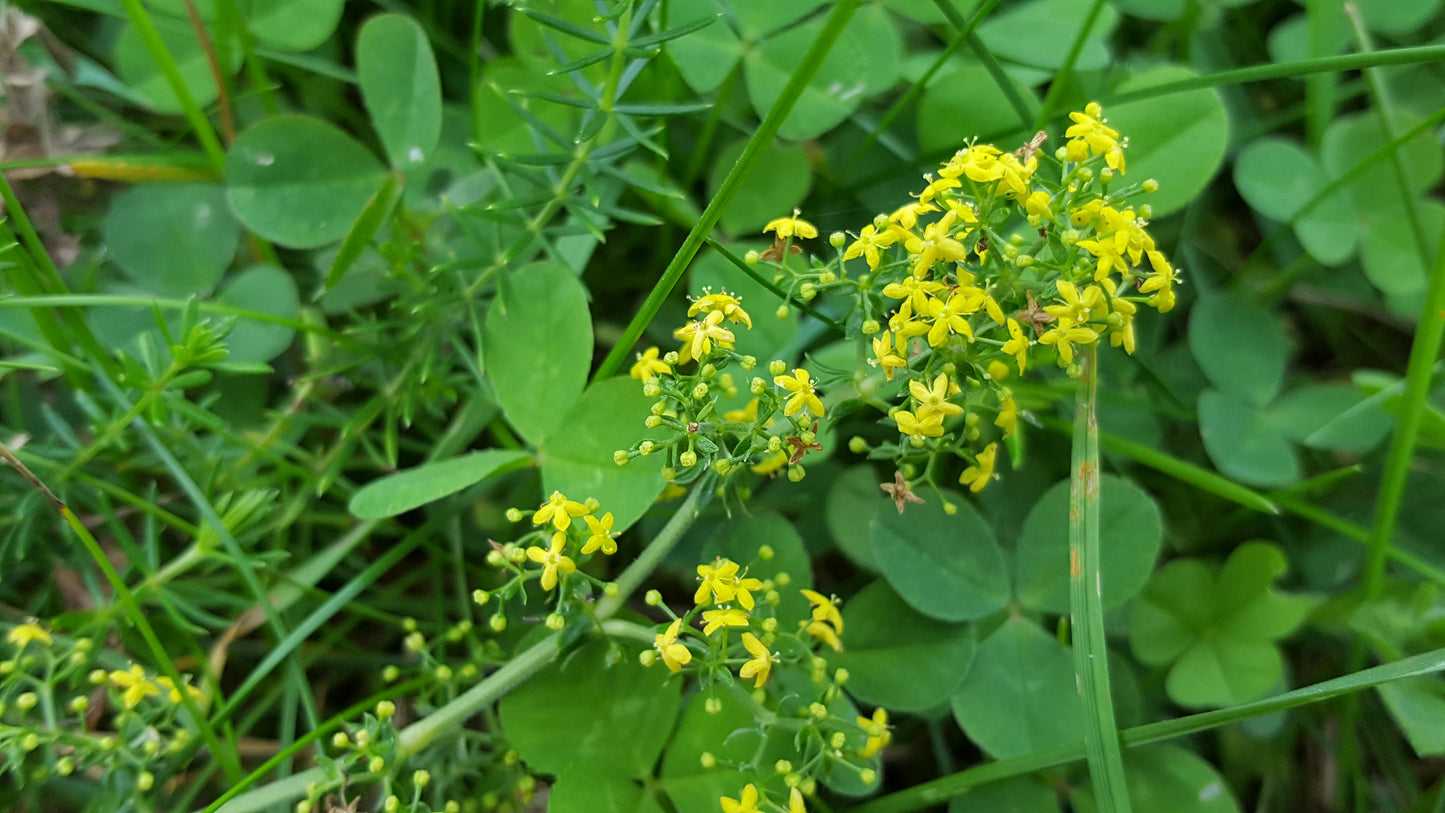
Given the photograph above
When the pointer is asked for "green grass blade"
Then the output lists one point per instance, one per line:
(201, 125)
(832, 29)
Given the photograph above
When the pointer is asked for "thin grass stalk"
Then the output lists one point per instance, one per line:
(832, 29)
(1086, 599)
(1060, 80)
(990, 62)
(201, 125)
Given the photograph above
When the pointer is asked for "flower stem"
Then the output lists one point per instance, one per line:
(1086, 599)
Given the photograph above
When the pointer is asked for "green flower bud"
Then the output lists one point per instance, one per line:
(420, 778)
(340, 740)
(514, 515)
(620, 457)
(443, 673)
(1151, 186)
(871, 327)
(749, 362)
(145, 781)
(688, 459)
(556, 622)
(481, 597)
(498, 623)
(652, 598)
(857, 445)
(385, 709)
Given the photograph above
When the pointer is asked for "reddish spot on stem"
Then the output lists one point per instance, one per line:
(1076, 567)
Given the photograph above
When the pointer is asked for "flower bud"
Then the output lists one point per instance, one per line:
(652, 598)
(808, 290)
(700, 391)
(514, 515)
(385, 709)
(389, 674)
(713, 705)
(708, 371)
(420, 778)
(752, 258)
(620, 457)
(1106, 175)
(481, 597)
(651, 388)
(443, 673)
(949, 508)
(868, 776)
(857, 445)
(556, 621)
(722, 466)
(819, 711)
(652, 422)
(145, 781)
(708, 760)
(647, 657)
(840, 677)
(827, 277)
(498, 623)
(392, 804)
(363, 738)
(688, 459)
(782, 312)
(871, 327)
(1146, 211)
(796, 474)
(757, 386)
(1151, 186)
(79, 704)
(766, 552)
(340, 740)
(839, 739)
(495, 558)
(837, 239)
(671, 357)
(783, 766)
(26, 701)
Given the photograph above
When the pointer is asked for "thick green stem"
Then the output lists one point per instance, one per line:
(1086, 600)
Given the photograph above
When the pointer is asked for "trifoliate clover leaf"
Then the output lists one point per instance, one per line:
(1217, 630)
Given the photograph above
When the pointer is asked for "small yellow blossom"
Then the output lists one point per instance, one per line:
(1014, 175)
(173, 694)
(719, 582)
(978, 161)
(1064, 336)
(795, 801)
(906, 216)
(698, 336)
(824, 609)
(648, 365)
(889, 354)
(948, 316)
(935, 245)
(743, 587)
(792, 226)
(730, 306)
(1039, 205)
(935, 398)
(760, 664)
(748, 803)
(559, 511)
(801, 386)
(727, 617)
(1008, 415)
(1017, 345)
(552, 560)
(1101, 139)
(135, 685)
(978, 475)
(22, 635)
(870, 242)
(674, 654)
(747, 414)
(771, 463)
(826, 634)
(600, 535)
(877, 730)
(915, 293)
(922, 425)
(1076, 308)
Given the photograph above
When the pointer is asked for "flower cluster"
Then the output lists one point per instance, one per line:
(732, 637)
(776, 428)
(563, 531)
(1000, 261)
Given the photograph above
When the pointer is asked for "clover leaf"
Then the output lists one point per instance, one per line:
(1217, 630)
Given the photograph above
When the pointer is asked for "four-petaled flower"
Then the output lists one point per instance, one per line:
(21, 635)
(786, 227)
(1017, 345)
(674, 654)
(978, 475)
(134, 684)
(1065, 336)
(601, 534)
(919, 426)
(748, 803)
(719, 582)
(648, 365)
(760, 664)
(730, 306)
(888, 353)
(698, 336)
(934, 399)
(824, 609)
(552, 560)
(801, 387)
(559, 511)
(727, 617)
(877, 730)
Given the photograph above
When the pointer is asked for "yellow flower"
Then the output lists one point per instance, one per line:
(870, 241)
(789, 226)
(795, 801)
(1017, 345)
(948, 317)
(877, 730)
(719, 582)
(1039, 205)
(135, 685)
(824, 609)
(801, 387)
(887, 358)
(648, 365)
(906, 215)
(978, 475)
(173, 694)
(771, 463)
(935, 245)
(979, 162)
(760, 664)
(744, 587)
(935, 398)
(601, 534)
(747, 804)
(747, 414)
(559, 511)
(920, 426)
(1076, 308)
(21, 635)
(698, 336)
(1101, 139)
(729, 617)
(1064, 336)
(730, 306)
(935, 188)
(915, 293)
(552, 560)
(1008, 415)
(826, 634)
(674, 654)
(1015, 174)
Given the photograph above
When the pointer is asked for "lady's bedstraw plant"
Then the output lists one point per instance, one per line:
(60, 714)
(1001, 258)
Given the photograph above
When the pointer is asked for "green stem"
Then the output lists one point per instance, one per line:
(1060, 80)
(767, 130)
(1086, 599)
(167, 64)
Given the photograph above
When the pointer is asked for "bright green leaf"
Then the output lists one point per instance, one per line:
(412, 488)
(1020, 794)
(1391, 254)
(264, 289)
(1334, 417)
(300, 181)
(1418, 707)
(947, 567)
(591, 791)
(1277, 177)
(731, 735)
(172, 240)
(400, 86)
(963, 101)
(1019, 695)
(897, 658)
(1042, 32)
(1350, 139)
(1166, 777)
(853, 501)
(1240, 345)
(538, 348)
(577, 456)
(1178, 140)
(293, 25)
(1243, 443)
(137, 68)
(1129, 520)
(835, 91)
(574, 714)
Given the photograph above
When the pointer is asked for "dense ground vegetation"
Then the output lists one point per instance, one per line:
(684, 405)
